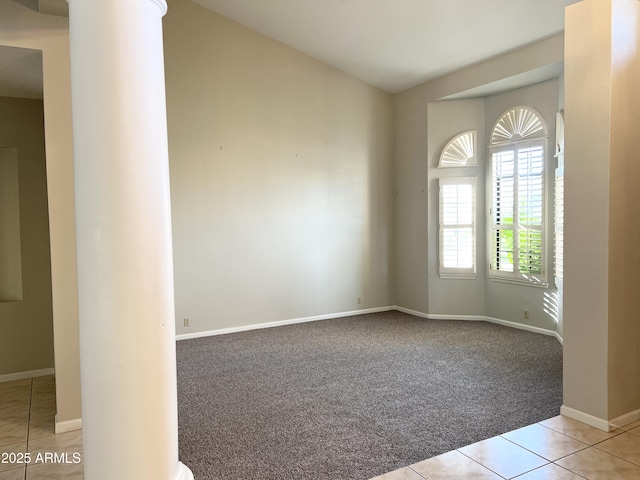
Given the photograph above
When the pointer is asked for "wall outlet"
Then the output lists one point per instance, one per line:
(359, 301)
(525, 314)
(185, 322)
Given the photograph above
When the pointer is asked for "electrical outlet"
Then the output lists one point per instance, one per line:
(526, 314)
(186, 322)
(359, 301)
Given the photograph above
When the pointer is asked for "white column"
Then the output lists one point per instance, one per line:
(125, 272)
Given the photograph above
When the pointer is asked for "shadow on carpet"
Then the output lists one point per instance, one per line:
(352, 398)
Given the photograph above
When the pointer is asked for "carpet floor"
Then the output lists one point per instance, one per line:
(352, 398)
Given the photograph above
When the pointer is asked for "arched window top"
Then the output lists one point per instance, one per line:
(519, 123)
(460, 151)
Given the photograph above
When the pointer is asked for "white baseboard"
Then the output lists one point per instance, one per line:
(626, 419)
(599, 423)
(67, 425)
(464, 318)
(256, 326)
(522, 326)
(480, 318)
(408, 311)
(431, 316)
(10, 377)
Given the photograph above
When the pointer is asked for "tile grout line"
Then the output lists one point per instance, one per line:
(586, 446)
(617, 456)
(484, 466)
(568, 470)
(409, 467)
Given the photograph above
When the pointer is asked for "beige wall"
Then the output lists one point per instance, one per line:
(601, 368)
(281, 178)
(257, 228)
(26, 326)
(423, 125)
(507, 301)
(22, 27)
(624, 219)
(480, 296)
(446, 120)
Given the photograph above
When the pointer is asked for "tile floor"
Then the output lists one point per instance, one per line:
(558, 448)
(27, 411)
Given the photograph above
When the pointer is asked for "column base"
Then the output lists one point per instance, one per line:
(183, 472)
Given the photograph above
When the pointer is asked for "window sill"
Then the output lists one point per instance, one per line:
(457, 276)
(522, 282)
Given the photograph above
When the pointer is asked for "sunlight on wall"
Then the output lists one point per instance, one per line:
(551, 305)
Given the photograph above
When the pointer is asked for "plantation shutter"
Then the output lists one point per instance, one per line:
(517, 211)
(457, 227)
(559, 224)
(530, 203)
(503, 187)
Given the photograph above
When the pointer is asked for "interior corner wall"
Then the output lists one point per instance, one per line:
(22, 27)
(411, 204)
(508, 301)
(281, 178)
(447, 119)
(26, 326)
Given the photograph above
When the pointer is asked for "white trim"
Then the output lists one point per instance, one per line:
(458, 276)
(625, 419)
(596, 422)
(482, 318)
(496, 277)
(522, 326)
(430, 316)
(67, 425)
(163, 6)
(183, 472)
(10, 377)
(464, 318)
(408, 311)
(257, 326)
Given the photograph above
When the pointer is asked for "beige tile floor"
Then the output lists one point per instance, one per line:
(27, 411)
(558, 448)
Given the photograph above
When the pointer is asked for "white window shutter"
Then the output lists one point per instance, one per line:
(517, 212)
(559, 225)
(457, 227)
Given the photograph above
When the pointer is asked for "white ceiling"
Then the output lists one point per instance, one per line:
(397, 44)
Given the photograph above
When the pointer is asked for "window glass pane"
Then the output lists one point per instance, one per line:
(529, 251)
(503, 253)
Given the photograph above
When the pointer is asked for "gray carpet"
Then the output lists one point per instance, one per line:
(355, 397)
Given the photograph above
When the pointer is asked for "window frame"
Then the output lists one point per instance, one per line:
(515, 276)
(457, 272)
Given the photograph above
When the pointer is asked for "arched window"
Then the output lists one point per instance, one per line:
(460, 151)
(518, 168)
